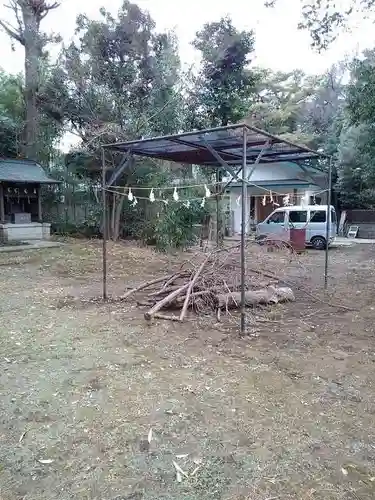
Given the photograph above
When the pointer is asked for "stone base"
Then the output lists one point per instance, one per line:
(22, 232)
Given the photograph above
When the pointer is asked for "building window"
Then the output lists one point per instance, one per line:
(297, 216)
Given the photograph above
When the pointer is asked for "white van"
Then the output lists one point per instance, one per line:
(313, 218)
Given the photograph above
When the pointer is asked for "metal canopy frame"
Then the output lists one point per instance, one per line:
(232, 148)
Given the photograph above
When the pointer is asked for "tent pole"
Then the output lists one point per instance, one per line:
(243, 232)
(328, 227)
(104, 195)
(217, 209)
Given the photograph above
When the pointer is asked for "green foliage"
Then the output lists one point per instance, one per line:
(356, 151)
(361, 90)
(174, 226)
(11, 115)
(12, 120)
(28, 15)
(280, 101)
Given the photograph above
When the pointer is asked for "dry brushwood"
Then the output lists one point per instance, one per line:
(164, 302)
(211, 282)
(144, 285)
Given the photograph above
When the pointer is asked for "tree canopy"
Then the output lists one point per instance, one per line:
(325, 19)
(223, 88)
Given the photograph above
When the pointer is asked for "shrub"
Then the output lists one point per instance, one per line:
(174, 228)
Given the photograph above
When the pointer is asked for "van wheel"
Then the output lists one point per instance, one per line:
(318, 242)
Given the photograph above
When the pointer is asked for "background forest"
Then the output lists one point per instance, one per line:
(121, 78)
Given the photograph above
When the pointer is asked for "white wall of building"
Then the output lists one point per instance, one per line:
(235, 207)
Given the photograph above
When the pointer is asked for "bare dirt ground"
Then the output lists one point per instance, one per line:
(285, 413)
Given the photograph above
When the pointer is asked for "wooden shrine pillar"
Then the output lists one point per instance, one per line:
(39, 191)
(2, 207)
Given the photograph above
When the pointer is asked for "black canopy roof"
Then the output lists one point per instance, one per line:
(196, 147)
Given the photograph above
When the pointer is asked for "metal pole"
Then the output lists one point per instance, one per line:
(104, 195)
(328, 227)
(217, 209)
(2, 206)
(243, 232)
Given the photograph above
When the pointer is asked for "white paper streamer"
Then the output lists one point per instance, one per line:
(130, 195)
(271, 197)
(187, 204)
(175, 194)
(152, 196)
(203, 202)
(135, 201)
(286, 200)
(207, 192)
(264, 200)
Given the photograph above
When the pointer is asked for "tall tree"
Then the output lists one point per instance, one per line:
(357, 144)
(300, 107)
(118, 81)
(223, 88)
(28, 16)
(279, 104)
(323, 111)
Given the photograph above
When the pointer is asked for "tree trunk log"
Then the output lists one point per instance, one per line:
(271, 295)
(33, 54)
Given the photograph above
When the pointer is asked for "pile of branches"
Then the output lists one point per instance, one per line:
(212, 282)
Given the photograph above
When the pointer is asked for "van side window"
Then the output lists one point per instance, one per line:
(297, 216)
(277, 218)
(318, 216)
